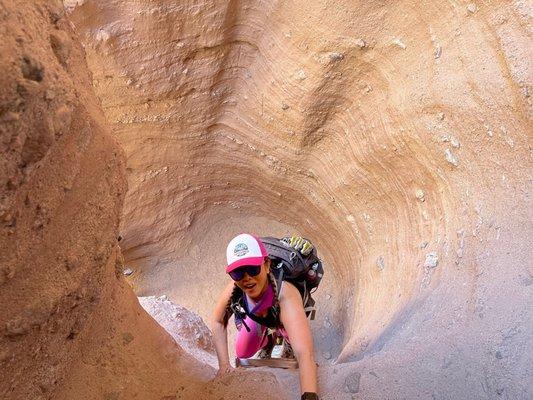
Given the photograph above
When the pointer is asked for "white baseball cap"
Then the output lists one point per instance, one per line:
(245, 249)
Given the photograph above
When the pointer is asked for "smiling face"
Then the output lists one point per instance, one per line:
(255, 286)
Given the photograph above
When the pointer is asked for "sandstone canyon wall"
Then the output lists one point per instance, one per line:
(70, 326)
(395, 135)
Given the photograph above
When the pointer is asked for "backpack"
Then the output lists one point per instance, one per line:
(287, 264)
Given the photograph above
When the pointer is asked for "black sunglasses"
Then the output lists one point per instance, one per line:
(251, 270)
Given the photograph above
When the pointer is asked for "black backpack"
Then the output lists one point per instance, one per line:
(303, 271)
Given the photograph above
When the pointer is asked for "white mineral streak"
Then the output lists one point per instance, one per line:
(187, 328)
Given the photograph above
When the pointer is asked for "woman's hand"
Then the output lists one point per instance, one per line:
(220, 335)
(225, 370)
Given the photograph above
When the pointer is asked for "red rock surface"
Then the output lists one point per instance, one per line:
(395, 135)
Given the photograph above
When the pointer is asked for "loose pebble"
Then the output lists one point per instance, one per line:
(420, 195)
(300, 75)
(127, 272)
(72, 262)
(49, 95)
(335, 56)
(352, 382)
(451, 158)
(399, 43)
(10, 116)
(360, 42)
(16, 327)
(380, 263)
(432, 259)
(471, 8)
(127, 337)
(32, 69)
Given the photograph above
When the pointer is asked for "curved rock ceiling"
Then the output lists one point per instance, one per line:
(395, 135)
(380, 131)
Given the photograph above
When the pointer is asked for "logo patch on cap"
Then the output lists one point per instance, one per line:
(240, 250)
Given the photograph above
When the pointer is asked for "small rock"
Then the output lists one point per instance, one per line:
(127, 272)
(284, 106)
(471, 8)
(60, 42)
(499, 391)
(360, 42)
(455, 142)
(9, 219)
(300, 75)
(399, 43)
(440, 116)
(432, 259)
(63, 120)
(438, 52)
(127, 337)
(328, 296)
(32, 69)
(420, 195)
(326, 355)
(72, 262)
(336, 56)
(451, 139)
(380, 263)
(451, 158)
(424, 244)
(499, 355)
(16, 327)
(10, 117)
(352, 382)
(49, 95)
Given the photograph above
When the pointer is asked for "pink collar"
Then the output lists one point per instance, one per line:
(264, 303)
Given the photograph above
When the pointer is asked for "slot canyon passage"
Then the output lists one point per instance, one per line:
(395, 135)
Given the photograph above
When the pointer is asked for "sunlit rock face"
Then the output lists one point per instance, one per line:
(70, 328)
(395, 136)
(70, 325)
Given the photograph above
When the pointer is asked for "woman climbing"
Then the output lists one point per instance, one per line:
(254, 283)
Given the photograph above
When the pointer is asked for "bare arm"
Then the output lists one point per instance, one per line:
(220, 334)
(295, 323)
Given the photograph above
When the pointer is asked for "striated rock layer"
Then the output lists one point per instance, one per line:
(394, 135)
